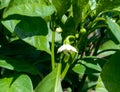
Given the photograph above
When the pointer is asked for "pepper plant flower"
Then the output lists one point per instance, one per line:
(67, 47)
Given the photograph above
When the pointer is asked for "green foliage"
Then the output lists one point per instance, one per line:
(54, 79)
(110, 73)
(16, 83)
(83, 57)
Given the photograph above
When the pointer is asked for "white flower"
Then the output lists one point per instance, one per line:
(66, 47)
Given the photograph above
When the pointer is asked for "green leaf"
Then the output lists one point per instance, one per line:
(100, 86)
(40, 8)
(32, 30)
(108, 45)
(103, 5)
(79, 69)
(111, 75)
(80, 10)
(17, 65)
(61, 6)
(114, 27)
(51, 83)
(16, 83)
(91, 65)
(4, 3)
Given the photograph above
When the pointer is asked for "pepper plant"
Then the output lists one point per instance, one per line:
(59, 45)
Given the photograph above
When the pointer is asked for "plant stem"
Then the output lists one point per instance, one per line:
(67, 67)
(58, 77)
(65, 71)
(52, 50)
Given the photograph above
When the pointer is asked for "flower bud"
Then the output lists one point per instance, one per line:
(58, 29)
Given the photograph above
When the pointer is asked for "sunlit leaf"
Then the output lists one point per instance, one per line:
(16, 83)
(79, 68)
(115, 28)
(4, 3)
(51, 83)
(110, 73)
(100, 86)
(30, 8)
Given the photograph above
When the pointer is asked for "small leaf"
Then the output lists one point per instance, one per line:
(30, 8)
(115, 28)
(79, 69)
(16, 83)
(110, 73)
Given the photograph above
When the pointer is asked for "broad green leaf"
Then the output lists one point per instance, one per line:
(4, 3)
(40, 8)
(100, 86)
(51, 83)
(114, 27)
(32, 30)
(16, 83)
(104, 5)
(61, 6)
(17, 65)
(111, 74)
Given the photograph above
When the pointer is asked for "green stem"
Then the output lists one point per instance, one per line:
(65, 71)
(67, 67)
(58, 77)
(52, 50)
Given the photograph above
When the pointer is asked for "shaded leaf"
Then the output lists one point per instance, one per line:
(16, 83)
(110, 73)
(30, 8)
(80, 10)
(61, 6)
(103, 5)
(20, 66)
(115, 28)
(32, 30)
